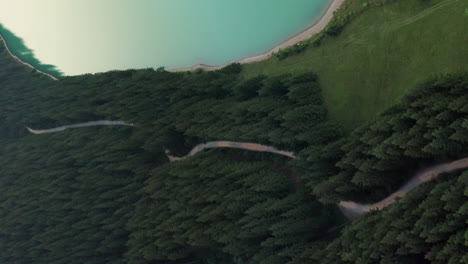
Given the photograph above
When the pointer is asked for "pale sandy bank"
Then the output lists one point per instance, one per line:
(304, 35)
(23, 62)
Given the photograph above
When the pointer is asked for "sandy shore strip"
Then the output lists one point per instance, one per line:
(304, 35)
(321, 23)
(23, 62)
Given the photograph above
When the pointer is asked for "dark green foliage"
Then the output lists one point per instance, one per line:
(275, 86)
(244, 207)
(342, 17)
(18, 85)
(350, 11)
(172, 108)
(427, 128)
(27, 54)
(87, 195)
(248, 89)
(233, 68)
(426, 226)
(334, 30)
(295, 49)
(66, 198)
(109, 195)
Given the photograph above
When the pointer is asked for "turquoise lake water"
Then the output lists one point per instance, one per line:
(89, 36)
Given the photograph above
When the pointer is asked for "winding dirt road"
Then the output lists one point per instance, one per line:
(86, 124)
(352, 209)
(349, 208)
(232, 144)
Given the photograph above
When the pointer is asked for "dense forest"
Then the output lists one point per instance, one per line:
(428, 127)
(110, 195)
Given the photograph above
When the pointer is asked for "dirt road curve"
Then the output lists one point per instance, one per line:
(352, 209)
(86, 124)
(232, 144)
(349, 208)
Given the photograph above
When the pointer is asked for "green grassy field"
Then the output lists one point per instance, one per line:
(380, 54)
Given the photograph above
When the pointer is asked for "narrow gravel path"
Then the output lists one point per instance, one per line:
(352, 209)
(86, 124)
(232, 144)
(349, 208)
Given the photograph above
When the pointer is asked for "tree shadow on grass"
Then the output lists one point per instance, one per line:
(17, 47)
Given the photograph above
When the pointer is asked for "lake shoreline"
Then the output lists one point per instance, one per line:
(23, 62)
(323, 20)
(309, 32)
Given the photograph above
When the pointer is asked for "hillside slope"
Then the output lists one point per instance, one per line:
(381, 54)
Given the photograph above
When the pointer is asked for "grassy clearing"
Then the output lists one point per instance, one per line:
(380, 54)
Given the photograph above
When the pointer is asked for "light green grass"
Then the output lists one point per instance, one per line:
(380, 54)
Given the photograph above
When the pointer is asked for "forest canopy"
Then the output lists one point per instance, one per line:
(110, 194)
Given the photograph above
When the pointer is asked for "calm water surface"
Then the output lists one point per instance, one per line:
(81, 36)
